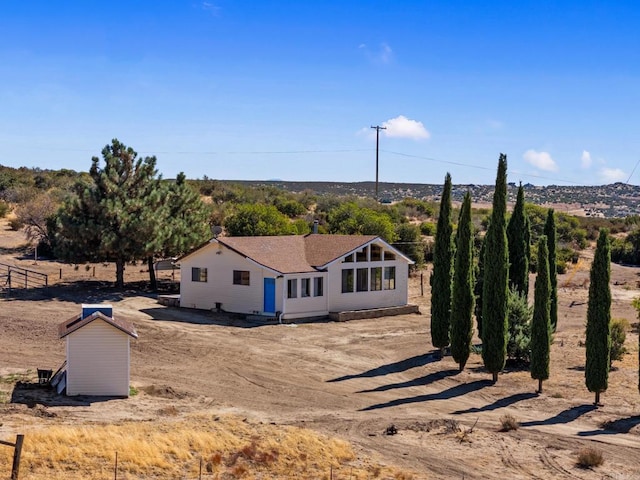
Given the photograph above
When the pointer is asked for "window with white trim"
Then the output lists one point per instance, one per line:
(362, 280)
(376, 279)
(305, 287)
(347, 280)
(292, 288)
(318, 286)
(198, 274)
(389, 282)
(241, 277)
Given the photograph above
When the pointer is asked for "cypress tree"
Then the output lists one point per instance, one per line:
(518, 235)
(441, 275)
(496, 273)
(599, 318)
(541, 325)
(550, 232)
(462, 297)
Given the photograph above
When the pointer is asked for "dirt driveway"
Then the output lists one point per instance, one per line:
(350, 379)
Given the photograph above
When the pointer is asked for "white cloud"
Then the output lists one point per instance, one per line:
(612, 175)
(383, 55)
(585, 160)
(210, 7)
(541, 160)
(365, 132)
(403, 127)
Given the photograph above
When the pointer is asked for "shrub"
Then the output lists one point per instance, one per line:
(508, 422)
(619, 327)
(16, 224)
(428, 228)
(519, 321)
(589, 457)
(4, 208)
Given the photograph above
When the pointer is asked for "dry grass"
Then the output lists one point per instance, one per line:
(227, 447)
(508, 422)
(589, 457)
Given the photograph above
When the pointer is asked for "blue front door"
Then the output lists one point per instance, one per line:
(270, 295)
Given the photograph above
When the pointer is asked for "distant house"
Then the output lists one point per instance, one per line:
(98, 353)
(295, 276)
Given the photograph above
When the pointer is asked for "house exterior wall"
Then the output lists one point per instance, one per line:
(339, 301)
(220, 263)
(311, 306)
(98, 360)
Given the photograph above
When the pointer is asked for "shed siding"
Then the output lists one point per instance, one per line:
(220, 263)
(98, 361)
(339, 302)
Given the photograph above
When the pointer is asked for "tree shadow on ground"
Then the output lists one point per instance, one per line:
(452, 392)
(622, 425)
(500, 403)
(565, 416)
(91, 291)
(416, 382)
(21, 252)
(396, 367)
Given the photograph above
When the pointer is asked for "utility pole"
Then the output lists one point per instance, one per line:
(378, 128)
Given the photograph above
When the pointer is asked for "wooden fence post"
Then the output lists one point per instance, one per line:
(115, 468)
(17, 451)
(421, 284)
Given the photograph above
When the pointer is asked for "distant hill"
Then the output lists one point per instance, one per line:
(615, 200)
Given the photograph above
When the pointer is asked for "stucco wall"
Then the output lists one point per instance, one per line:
(220, 263)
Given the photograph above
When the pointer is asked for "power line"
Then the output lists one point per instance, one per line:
(634, 169)
(480, 167)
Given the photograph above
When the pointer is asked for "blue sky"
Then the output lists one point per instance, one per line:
(237, 89)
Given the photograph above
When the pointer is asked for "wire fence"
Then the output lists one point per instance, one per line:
(199, 468)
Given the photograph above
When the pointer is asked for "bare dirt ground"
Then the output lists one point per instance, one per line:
(350, 380)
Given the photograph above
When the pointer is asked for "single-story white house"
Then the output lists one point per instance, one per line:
(294, 276)
(98, 353)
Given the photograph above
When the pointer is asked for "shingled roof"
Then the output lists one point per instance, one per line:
(296, 253)
(76, 322)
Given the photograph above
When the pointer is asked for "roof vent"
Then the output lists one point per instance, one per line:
(89, 309)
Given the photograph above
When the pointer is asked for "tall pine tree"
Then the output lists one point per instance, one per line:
(550, 232)
(113, 218)
(519, 235)
(182, 223)
(462, 297)
(541, 325)
(442, 270)
(599, 318)
(496, 277)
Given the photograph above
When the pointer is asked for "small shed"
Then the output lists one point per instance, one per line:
(98, 352)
